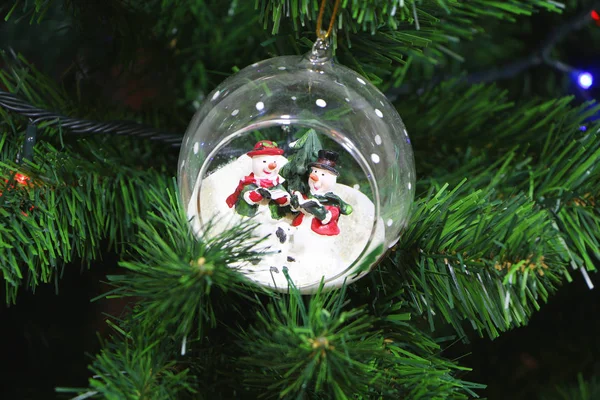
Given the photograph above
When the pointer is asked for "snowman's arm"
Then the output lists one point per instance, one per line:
(281, 197)
(265, 193)
(295, 200)
(333, 213)
(301, 200)
(315, 208)
(252, 197)
(328, 217)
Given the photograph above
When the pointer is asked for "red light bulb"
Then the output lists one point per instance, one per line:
(595, 15)
(21, 179)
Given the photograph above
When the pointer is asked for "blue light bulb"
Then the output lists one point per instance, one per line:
(585, 80)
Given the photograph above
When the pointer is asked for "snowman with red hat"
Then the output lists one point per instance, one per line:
(320, 209)
(263, 186)
(261, 196)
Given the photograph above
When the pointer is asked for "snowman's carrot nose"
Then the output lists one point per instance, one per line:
(272, 165)
(314, 177)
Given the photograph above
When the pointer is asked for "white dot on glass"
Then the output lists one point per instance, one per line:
(409, 185)
(321, 72)
(294, 98)
(235, 112)
(196, 147)
(378, 139)
(182, 163)
(285, 116)
(379, 113)
(375, 158)
(405, 133)
(356, 186)
(255, 65)
(347, 99)
(260, 105)
(361, 81)
(390, 222)
(321, 103)
(217, 93)
(281, 68)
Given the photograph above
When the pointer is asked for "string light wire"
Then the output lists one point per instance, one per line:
(37, 115)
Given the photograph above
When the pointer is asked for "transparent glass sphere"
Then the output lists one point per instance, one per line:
(282, 100)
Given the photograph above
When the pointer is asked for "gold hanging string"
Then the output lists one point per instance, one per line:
(320, 34)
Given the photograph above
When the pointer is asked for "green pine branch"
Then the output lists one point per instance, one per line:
(137, 363)
(584, 389)
(320, 348)
(534, 208)
(82, 196)
(34, 10)
(468, 121)
(371, 15)
(468, 256)
(381, 38)
(177, 276)
(75, 204)
(557, 168)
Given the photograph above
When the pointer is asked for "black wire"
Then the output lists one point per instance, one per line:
(515, 67)
(37, 115)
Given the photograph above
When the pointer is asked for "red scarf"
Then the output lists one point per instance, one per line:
(249, 180)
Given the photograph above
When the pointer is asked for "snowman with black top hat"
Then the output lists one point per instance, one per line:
(318, 211)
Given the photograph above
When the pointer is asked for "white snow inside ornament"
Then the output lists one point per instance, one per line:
(314, 154)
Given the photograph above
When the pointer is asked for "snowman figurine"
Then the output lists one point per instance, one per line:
(321, 205)
(263, 186)
(262, 197)
(318, 213)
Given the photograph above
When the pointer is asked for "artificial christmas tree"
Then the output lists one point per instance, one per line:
(496, 96)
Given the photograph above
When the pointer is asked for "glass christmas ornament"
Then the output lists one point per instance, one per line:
(314, 154)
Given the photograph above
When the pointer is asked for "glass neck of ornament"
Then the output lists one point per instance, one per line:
(321, 51)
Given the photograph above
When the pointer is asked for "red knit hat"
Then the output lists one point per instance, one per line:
(265, 148)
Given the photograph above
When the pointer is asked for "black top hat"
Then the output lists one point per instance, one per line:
(326, 160)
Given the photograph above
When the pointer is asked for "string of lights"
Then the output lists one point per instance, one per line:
(37, 115)
(543, 55)
(584, 79)
(595, 17)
